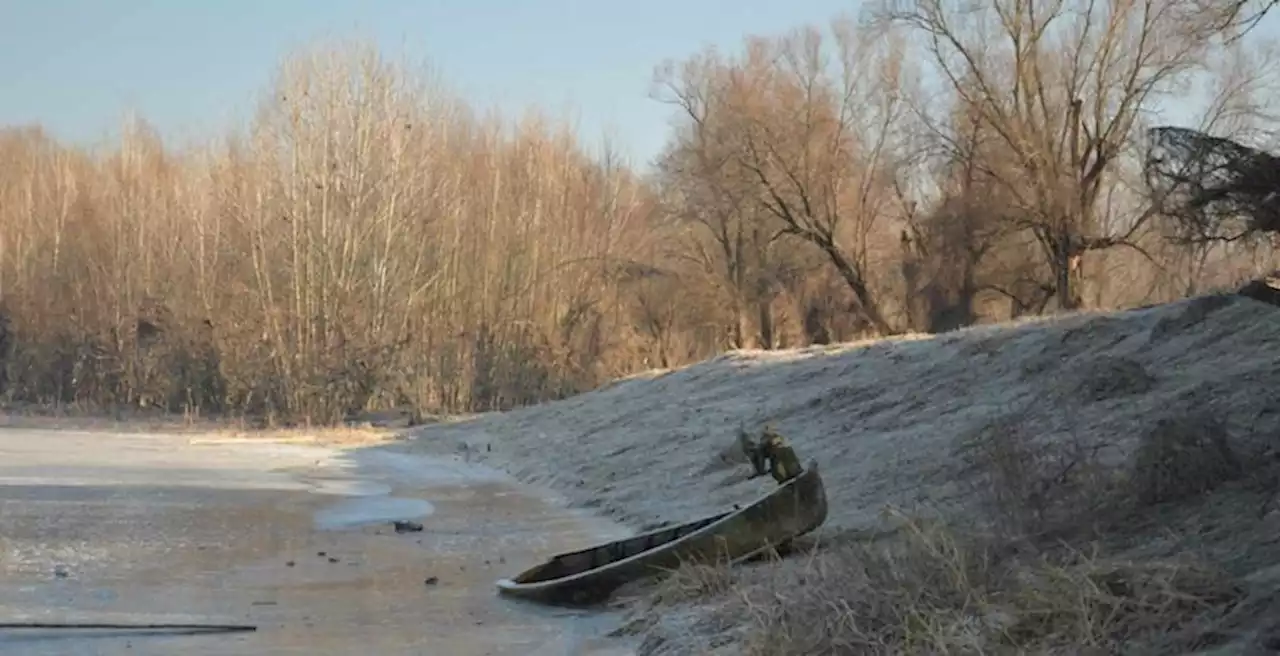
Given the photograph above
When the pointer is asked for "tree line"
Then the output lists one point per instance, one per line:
(368, 239)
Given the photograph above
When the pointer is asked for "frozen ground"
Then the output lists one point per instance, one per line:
(169, 527)
(118, 527)
(882, 418)
(885, 419)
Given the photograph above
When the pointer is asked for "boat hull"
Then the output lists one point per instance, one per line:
(593, 574)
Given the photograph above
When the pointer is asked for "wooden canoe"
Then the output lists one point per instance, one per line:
(592, 575)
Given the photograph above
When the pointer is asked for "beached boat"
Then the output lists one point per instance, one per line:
(591, 575)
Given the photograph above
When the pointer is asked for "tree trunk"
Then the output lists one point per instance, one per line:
(866, 304)
(737, 336)
(1067, 250)
(1062, 281)
(766, 324)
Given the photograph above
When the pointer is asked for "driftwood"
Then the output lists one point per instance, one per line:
(167, 629)
(1214, 189)
(1265, 289)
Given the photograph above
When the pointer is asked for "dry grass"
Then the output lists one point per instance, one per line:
(1040, 472)
(937, 591)
(340, 436)
(693, 582)
(1107, 378)
(1183, 456)
(1044, 578)
(195, 429)
(1030, 485)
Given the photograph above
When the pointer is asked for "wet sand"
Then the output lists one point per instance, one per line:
(296, 540)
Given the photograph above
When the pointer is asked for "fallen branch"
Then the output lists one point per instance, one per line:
(181, 629)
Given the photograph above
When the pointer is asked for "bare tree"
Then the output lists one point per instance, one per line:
(1063, 85)
(734, 238)
(1235, 17)
(365, 241)
(815, 128)
(959, 245)
(1213, 195)
(368, 241)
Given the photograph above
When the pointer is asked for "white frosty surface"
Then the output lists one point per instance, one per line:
(884, 419)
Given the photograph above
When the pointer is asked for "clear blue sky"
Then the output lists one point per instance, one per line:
(77, 66)
(190, 68)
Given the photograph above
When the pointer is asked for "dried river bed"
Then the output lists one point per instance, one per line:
(108, 527)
